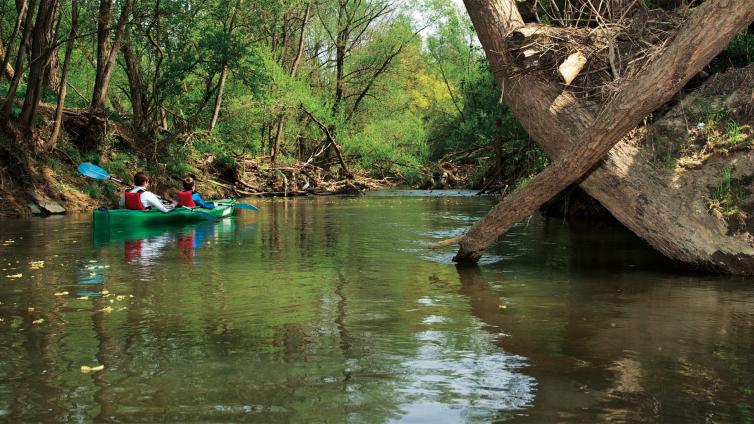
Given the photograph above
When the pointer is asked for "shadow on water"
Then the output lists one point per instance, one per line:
(607, 342)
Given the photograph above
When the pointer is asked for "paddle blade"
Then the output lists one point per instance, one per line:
(246, 206)
(93, 171)
(204, 215)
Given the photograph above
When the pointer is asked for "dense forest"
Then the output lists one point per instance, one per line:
(280, 97)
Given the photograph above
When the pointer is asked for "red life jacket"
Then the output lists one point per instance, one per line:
(133, 201)
(185, 199)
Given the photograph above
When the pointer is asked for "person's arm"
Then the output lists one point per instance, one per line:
(201, 203)
(154, 202)
(122, 201)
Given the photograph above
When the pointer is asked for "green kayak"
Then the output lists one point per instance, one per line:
(125, 217)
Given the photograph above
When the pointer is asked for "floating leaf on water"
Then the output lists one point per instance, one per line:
(38, 321)
(37, 264)
(14, 276)
(93, 267)
(86, 369)
(123, 308)
(119, 297)
(503, 306)
(107, 309)
(106, 291)
(92, 274)
(131, 296)
(82, 298)
(63, 293)
(112, 300)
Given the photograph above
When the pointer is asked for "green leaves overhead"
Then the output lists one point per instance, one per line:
(393, 83)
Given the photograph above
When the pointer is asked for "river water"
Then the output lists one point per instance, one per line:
(332, 310)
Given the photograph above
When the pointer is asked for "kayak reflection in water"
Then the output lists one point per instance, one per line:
(144, 251)
(195, 239)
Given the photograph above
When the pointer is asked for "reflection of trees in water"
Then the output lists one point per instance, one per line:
(626, 348)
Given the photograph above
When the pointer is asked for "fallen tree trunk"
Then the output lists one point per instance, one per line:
(624, 183)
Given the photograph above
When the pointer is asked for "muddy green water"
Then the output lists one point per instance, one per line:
(332, 310)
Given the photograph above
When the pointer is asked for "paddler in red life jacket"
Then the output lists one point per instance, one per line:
(189, 198)
(140, 198)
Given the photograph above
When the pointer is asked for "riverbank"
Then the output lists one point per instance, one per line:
(43, 184)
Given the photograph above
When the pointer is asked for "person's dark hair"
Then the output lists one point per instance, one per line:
(188, 184)
(140, 178)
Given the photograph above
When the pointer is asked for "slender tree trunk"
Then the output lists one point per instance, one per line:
(559, 119)
(24, 46)
(64, 78)
(280, 133)
(224, 72)
(6, 68)
(300, 48)
(219, 98)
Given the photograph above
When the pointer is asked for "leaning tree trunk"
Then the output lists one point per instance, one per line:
(624, 183)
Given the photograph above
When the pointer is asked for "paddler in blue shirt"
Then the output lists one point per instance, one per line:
(189, 198)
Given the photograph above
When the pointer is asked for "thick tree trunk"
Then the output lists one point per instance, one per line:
(135, 85)
(103, 37)
(50, 143)
(52, 70)
(644, 204)
(41, 52)
(106, 57)
(279, 134)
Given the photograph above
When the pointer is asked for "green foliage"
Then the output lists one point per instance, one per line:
(736, 133)
(739, 53)
(727, 196)
(392, 96)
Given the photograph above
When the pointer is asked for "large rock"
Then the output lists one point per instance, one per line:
(46, 204)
